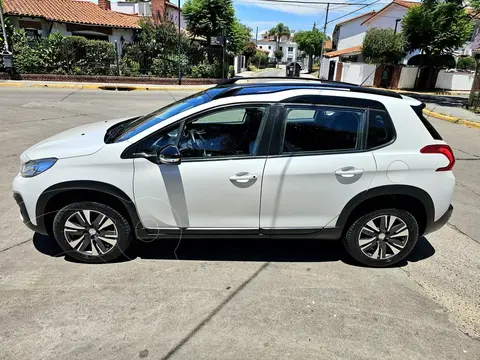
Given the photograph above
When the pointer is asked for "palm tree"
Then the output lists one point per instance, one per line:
(278, 31)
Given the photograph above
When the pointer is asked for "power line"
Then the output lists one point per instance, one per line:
(328, 22)
(296, 2)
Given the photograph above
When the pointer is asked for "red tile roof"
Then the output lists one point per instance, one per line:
(354, 49)
(328, 44)
(68, 11)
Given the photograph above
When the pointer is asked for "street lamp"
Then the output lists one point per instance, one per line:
(396, 24)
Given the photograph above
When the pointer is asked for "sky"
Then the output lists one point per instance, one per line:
(297, 16)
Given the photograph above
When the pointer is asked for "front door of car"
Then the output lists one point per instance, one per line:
(316, 166)
(217, 185)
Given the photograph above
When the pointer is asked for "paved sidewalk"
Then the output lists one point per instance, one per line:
(99, 86)
(456, 112)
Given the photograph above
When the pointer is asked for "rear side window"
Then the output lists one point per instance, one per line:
(418, 110)
(322, 128)
(380, 129)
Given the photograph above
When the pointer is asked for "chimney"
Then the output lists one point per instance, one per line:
(104, 4)
(158, 9)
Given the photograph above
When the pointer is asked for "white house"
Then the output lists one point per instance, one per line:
(146, 9)
(348, 35)
(68, 17)
(287, 46)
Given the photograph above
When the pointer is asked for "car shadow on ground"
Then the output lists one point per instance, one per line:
(262, 250)
(452, 101)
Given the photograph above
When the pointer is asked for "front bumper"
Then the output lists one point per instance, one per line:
(435, 225)
(24, 214)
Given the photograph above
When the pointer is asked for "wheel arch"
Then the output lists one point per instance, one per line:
(407, 197)
(61, 194)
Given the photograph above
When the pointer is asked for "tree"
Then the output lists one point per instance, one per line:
(278, 55)
(466, 63)
(310, 42)
(249, 50)
(383, 47)
(436, 27)
(278, 31)
(209, 18)
(239, 38)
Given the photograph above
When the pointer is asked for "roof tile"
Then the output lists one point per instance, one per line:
(336, 53)
(68, 11)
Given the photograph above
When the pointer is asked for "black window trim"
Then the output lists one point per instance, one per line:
(265, 132)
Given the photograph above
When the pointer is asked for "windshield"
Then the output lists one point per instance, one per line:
(131, 128)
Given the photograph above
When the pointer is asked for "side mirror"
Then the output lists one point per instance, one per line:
(169, 155)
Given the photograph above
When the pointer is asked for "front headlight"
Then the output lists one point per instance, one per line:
(35, 167)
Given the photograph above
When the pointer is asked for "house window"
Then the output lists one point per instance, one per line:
(269, 48)
(290, 49)
(261, 47)
(281, 48)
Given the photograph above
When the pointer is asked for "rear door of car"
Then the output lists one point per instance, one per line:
(318, 160)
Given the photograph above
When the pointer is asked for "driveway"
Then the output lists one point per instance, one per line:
(228, 299)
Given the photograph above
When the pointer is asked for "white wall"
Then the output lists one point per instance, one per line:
(265, 44)
(351, 33)
(386, 19)
(407, 77)
(325, 66)
(117, 35)
(358, 73)
(172, 14)
(124, 7)
(454, 81)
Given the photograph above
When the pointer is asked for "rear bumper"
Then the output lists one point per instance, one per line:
(24, 214)
(435, 225)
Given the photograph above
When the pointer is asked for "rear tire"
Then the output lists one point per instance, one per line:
(91, 232)
(382, 238)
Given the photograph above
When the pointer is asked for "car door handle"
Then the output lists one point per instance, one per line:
(348, 172)
(243, 178)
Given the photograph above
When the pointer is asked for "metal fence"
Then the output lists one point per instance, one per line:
(127, 59)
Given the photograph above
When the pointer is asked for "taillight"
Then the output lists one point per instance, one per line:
(441, 149)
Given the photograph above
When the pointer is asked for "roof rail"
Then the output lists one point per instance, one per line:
(235, 79)
(328, 85)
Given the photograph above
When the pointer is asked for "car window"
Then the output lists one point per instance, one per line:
(136, 126)
(159, 140)
(380, 129)
(325, 129)
(227, 133)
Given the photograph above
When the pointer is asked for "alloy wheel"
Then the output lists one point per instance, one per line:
(90, 232)
(383, 237)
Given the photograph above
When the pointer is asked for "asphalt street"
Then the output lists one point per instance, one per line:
(230, 299)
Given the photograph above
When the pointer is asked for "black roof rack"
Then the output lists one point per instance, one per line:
(232, 88)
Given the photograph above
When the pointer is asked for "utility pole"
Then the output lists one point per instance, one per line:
(179, 46)
(5, 41)
(323, 42)
(256, 37)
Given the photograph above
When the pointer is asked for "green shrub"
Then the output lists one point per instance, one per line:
(206, 70)
(231, 71)
(99, 57)
(466, 63)
(129, 67)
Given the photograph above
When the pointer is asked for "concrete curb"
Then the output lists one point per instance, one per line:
(451, 119)
(121, 87)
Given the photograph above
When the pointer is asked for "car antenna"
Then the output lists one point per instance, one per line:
(363, 82)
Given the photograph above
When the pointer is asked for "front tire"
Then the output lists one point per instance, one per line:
(382, 238)
(91, 232)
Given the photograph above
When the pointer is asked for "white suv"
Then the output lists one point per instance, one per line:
(319, 160)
